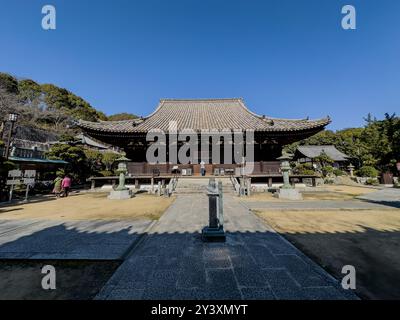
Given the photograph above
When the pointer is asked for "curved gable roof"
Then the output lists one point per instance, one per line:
(204, 114)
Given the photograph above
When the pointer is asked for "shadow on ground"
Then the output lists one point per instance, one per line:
(75, 279)
(249, 265)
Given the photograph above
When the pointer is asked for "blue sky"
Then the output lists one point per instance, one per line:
(286, 58)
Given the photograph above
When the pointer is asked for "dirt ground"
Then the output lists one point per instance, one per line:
(350, 190)
(90, 206)
(367, 239)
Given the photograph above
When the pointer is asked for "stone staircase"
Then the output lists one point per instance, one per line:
(199, 185)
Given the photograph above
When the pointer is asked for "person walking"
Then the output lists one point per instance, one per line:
(57, 186)
(66, 185)
(203, 168)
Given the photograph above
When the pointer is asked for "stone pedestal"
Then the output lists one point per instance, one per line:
(120, 194)
(288, 194)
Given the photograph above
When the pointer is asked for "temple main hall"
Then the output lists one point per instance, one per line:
(270, 135)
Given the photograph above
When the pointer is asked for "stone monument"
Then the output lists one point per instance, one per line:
(215, 229)
(287, 191)
(121, 191)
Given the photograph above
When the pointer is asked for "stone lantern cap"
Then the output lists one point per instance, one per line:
(350, 166)
(285, 156)
(122, 159)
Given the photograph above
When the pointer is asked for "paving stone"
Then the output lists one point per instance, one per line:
(257, 294)
(263, 257)
(221, 284)
(278, 278)
(164, 279)
(125, 294)
(244, 261)
(305, 274)
(159, 293)
(250, 277)
(166, 262)
(237, 250)
(324, 293)
(190, 294)
(191, 279)
(217, 263)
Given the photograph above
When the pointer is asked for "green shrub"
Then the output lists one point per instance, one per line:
(338, 172)
(105, 173)
(329, 181)
(372, 182)
(308, 172)
(60, 173)
(367, 171)
(327, 170)
(7, 166)
(304, 168)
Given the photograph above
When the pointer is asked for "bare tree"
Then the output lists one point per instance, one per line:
(8, 103)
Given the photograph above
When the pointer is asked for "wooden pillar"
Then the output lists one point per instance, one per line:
(137, 184)
(93, 184)
(269, 182)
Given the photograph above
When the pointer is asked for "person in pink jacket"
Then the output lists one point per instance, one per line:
(66, 185)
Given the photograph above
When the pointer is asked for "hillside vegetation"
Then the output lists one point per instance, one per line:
(46, 106)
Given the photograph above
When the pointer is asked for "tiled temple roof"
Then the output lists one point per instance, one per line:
(198, 114)
(315, 151)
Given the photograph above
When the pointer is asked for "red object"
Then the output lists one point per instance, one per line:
(66, 183)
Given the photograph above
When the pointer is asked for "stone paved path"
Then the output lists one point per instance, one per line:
(255, 262)
(46, 239)
(387, 196)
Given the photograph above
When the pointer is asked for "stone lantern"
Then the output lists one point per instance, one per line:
(121, 191)
(287, 191)
(350, 167)
(285, 168)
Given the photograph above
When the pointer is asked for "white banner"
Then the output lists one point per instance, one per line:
(15, 173)
(13, 182)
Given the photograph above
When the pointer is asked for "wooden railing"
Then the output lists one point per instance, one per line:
(144, 168)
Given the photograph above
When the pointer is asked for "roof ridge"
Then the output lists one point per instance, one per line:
(318, 145)
(200, 99)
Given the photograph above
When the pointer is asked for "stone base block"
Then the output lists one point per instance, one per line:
(213, 234)
(289, 194)
(120, 194)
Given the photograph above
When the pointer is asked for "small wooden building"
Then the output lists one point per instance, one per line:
(309, 153)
